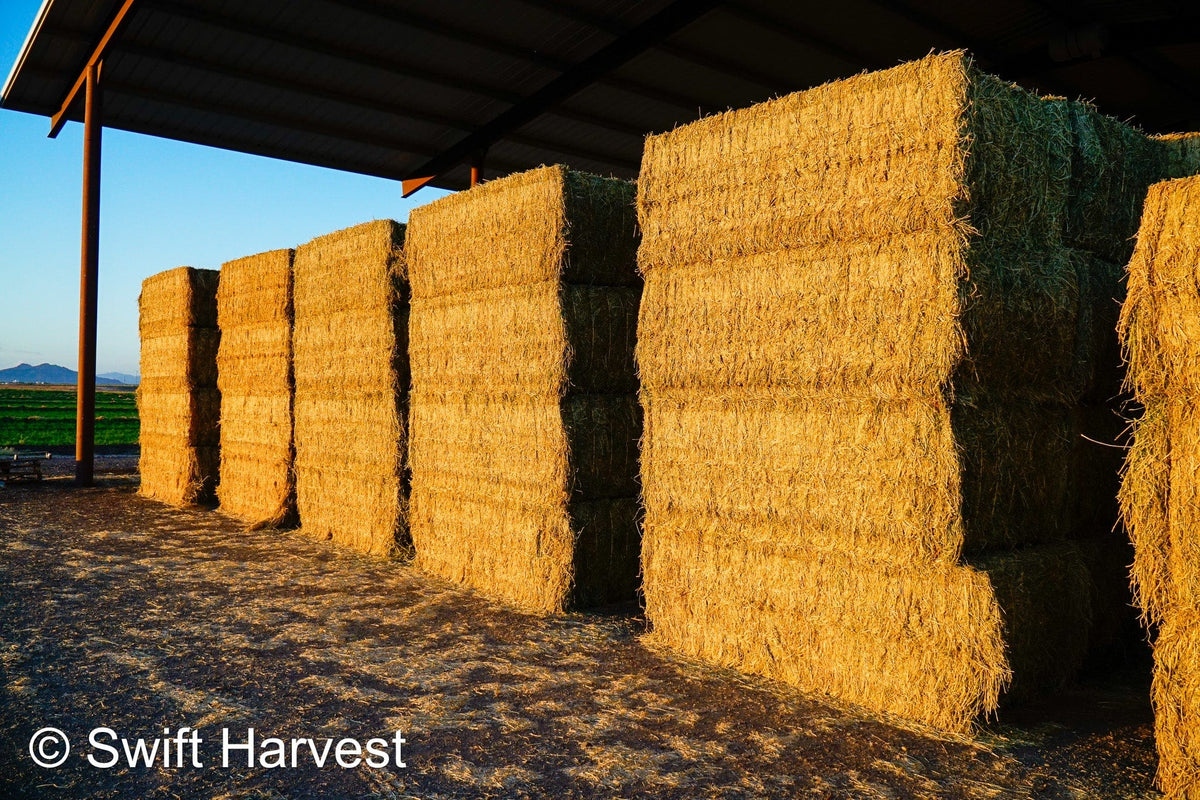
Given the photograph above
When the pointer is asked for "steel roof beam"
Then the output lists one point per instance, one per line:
(608, 58)
(97, 55)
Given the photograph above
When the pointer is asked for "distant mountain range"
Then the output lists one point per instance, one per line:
(52, 373)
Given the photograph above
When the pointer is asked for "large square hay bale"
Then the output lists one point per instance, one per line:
(1160, 493)
(254, 374)
(861, 340)
(178, 401)
(525, 421)
(350, 352)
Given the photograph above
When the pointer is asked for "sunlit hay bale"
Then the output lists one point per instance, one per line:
(1160, 328)
(1176, 697)
(923, 641)
(178, 401)
(858, 341)
(1160, 491)
(350, 354)
(254, 374)
(525, 419)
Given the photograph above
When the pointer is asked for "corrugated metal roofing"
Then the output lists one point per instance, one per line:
(387, 87)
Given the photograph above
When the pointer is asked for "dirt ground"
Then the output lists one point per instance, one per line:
(121, 612)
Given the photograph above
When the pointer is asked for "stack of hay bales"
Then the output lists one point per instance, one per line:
(350, 347)
(1160, 494)
(178, 402)
(868, 328)
(254, 374)
(1113, 165)
(525, 421)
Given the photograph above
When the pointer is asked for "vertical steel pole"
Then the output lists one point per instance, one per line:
(477, 170)
(85, 404)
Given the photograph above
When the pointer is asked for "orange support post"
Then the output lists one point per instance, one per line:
(85, 404)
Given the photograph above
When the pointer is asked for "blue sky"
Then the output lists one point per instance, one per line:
(162, 204)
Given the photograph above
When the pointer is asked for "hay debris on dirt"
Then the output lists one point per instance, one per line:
(254, 374)
(1160, 494)
(525, 421)
(178, 400)
(863, 339)
(350, 345)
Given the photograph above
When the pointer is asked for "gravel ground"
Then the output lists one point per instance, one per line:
(124, 613)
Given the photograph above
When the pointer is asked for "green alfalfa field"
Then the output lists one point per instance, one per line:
(45, 417)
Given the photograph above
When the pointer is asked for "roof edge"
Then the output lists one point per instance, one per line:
(43, 10)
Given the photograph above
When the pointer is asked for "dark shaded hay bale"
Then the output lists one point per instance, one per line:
(178, 401)
(525, 421)
(1045, 597)
(350, 341)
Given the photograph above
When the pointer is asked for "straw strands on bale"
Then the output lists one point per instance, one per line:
(873, 314)
(1160, 495)
(350, 344)
(178, 401)
(525, 421)
(254, 374)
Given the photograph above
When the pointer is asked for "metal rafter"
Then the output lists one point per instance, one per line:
(620, 51)
(97, 55)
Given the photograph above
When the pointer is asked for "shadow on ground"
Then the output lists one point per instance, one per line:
(121, 612)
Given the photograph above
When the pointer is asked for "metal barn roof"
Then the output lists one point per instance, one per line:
(419, 88)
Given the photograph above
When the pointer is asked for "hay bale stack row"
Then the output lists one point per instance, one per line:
(350, 350)
(178, 401)
(1160, 494)
(525, 421)
(867, 330)
(254, 375)
(1113, 165)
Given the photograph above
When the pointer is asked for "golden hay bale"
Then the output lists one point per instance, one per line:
(350, 363)
(178, 401)
(1176, 698)
(861, 341)
(254, 374)
(525, 421)
(929, 635)
(1160, 492)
